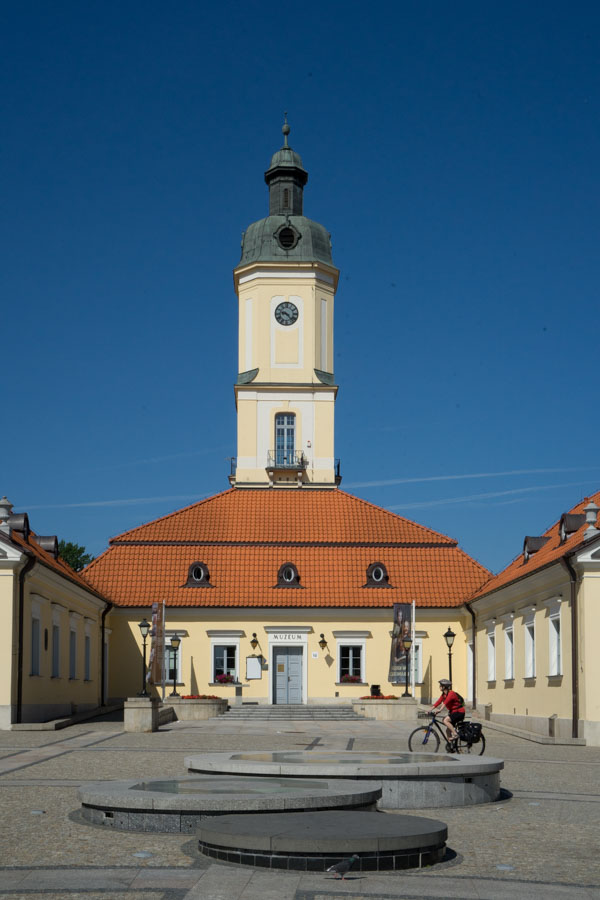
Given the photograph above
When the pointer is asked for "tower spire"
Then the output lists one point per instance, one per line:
(286, 130)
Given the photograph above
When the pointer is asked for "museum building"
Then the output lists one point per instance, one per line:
(285, 588)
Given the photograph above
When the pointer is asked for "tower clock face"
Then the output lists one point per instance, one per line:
(286, 313)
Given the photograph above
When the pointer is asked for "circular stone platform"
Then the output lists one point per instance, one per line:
(179, 804)
(408, 780)
(314, 841)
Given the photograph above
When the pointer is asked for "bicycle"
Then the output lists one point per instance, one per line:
(426, 738)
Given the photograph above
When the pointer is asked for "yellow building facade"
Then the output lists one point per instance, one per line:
(53, 634)
(537, 624)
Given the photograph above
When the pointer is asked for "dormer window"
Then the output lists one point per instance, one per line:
(569, 524)
(288, 576)
(377, 575)
(531, 545)
(198, 575)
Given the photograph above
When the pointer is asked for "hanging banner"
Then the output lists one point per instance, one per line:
(157, 647)
(398, 657)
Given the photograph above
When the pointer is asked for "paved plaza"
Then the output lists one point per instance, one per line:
(540, 841)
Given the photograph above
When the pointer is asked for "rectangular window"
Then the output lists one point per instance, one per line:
(72, 654)
(509, 654)
(35, 646)
(530, 650)
(173, 665)
(224, 660)
(491, 649)
(285, 439)
(555, 656)
(350, 661)
(324, 335)
(87, 652)
(417, 656)
(55, 651)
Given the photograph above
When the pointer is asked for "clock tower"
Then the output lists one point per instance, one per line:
(285, 390)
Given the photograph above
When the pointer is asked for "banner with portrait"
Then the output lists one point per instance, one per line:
(402, 627)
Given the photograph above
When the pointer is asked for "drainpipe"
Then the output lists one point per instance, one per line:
(474, 676)
(102, 660)
(26, 568)
(574, 648)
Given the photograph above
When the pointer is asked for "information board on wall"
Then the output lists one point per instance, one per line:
(253, 668)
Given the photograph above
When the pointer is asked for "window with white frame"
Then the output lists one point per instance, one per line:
(509, 653)
(529, 635)
(350, 660)
(87, 657)
(72, 653)
(554, 638)
(351, 650)
(491, 652)
(172, 664)
(225, 661)
(56, 651)
(35, 645)
(225, 654)
(416, 653)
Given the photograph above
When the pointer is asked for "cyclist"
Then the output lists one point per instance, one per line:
(454, 704)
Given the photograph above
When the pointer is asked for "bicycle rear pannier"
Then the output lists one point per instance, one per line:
(471, 732)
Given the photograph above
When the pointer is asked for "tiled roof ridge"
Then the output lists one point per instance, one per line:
(170, 515)
(389, 512)
(550, 532)
(207, 543)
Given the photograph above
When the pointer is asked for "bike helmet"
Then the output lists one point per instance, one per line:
(443, 682)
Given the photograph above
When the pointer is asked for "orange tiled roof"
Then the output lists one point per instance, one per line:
(281, 516)
(59, 565)
(245, 535)
(552, 551)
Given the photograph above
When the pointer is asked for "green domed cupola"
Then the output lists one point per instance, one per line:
(286, 234)
(286, 178)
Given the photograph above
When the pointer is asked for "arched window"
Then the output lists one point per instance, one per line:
(285, 439)
(286, 198)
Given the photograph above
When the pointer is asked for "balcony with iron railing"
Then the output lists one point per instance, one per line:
(286, 459)
(277, 460)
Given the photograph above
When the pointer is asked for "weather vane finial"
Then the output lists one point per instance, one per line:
(285, 130)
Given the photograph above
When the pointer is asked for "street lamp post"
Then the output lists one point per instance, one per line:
(406, 643)
(449, 638)
(175, 642)
(144, 627)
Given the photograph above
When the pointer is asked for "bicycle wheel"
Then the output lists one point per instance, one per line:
(424, 740)
(477, 749)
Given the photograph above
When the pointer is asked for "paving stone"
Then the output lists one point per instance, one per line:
(563, 781)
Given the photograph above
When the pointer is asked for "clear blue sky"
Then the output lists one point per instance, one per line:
(452, 152)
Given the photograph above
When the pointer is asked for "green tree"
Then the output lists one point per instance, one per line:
(74, 555)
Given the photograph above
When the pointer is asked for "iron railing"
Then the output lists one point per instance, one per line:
(286, 459)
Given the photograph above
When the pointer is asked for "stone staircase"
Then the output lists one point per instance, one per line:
(295, 712)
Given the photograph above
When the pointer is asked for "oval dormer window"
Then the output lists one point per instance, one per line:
(198, 575)
(377, 575)
(288, 576)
